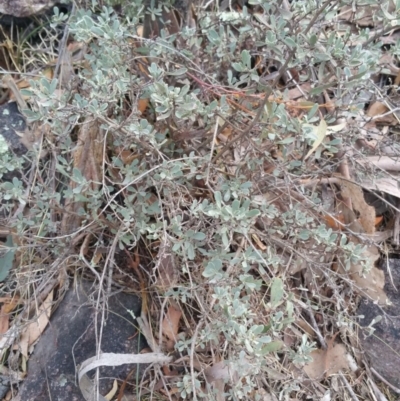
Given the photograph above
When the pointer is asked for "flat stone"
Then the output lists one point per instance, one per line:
(382, 348)
(11, 120)
(70, 339)
(24, 8)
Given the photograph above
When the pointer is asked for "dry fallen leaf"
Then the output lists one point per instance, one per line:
(8, 306)
(372, 283)
(327, 362)
(367, 214)
(33, 331)
(166, 271)
(320, 132)
(299, 91)
(388, 185)
(112, 392)
(170, 324)
(226, 371)
(380, 113)
(334, 221)
(111, 359)
(88, 163)
(363, 15)
(142, 105)
(258, 242)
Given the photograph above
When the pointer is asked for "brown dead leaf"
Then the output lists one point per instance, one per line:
(379, 111)
(8, 306)
(388, 185)
(289, 337)
(127, 156)
(258, 242)
(327, 362)
(88, 159)
(367, 214)
(372, 283)
(112, 392)
(33, 330)
(219, 371)
(363, 14)
(334, 221)
(170, 324)
(299, 91)
(142, 105)
(226, 134)
(167, 273)
(4, 320)
(225, 370)
(263, 395)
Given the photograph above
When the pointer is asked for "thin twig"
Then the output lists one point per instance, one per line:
(269, 89)
(349, 389)
(316, 329)
(380, 33)
(192, 350)
(382, 379)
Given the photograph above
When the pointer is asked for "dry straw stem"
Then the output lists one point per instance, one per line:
(382, 162)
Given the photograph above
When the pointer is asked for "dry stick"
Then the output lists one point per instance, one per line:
(212, 151)
(316, 329)
(192, 348)
(268, 91)
(147, 333)
(63, 43)
(376, 393)
(349, 389)
(396, 230)
(395, 389)
(113, 197)
(121, 129)
(381, 32)
(383, 162)
(40, 295)
(9, 81)
(164, 383)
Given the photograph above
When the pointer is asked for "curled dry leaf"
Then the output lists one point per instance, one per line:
(8, 306)
(381, 114)
(112, 392)
(387, 185)
(263, 395)
(33, 331)
(166, 270)
(299, 91)
(227, 371)
(111, 359)
(88, 163)
(170, 324)
(327, 362)
(364, 14)
(320, 132)
(373, 282)
(367, 213)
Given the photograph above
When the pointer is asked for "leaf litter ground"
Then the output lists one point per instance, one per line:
(247, 208)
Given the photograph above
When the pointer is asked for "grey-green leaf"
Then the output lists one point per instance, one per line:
(276, 291)
(6, 261)
(273, 346)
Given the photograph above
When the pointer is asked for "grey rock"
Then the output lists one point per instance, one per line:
(70, 339)
(11, 120)
(382, 348)
(4, 386)
(25, 8)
